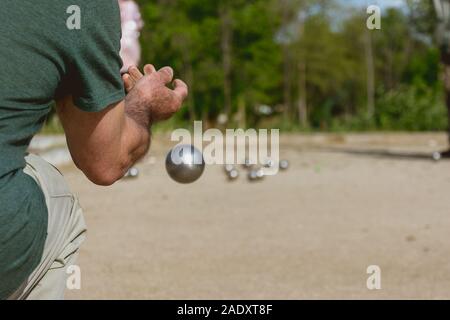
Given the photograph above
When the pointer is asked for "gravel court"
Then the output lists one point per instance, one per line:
(307, 233)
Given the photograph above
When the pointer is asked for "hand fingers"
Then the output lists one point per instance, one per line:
(149, 69)
(180, 89)
(128, 83)
(135, 74)
(166, 74)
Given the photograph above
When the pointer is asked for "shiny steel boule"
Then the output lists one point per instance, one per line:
(132, 173)
(260, 173)
(255, 175)
(437, 156)
(252, 175)
(233, 174)
(284, 164)
(228, 168)
(185, 164)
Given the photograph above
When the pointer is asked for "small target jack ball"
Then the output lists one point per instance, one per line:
(185, 164)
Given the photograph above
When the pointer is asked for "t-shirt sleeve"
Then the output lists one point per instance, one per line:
(94, 75)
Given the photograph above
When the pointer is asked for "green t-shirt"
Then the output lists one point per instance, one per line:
(40, 59)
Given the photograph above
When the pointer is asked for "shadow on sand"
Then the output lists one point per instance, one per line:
(398, 155)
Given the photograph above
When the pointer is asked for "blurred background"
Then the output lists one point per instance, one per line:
(363, 122)
(313, 62)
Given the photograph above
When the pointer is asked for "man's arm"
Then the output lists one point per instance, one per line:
(104, 145)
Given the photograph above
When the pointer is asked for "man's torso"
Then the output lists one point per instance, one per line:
(36, 52)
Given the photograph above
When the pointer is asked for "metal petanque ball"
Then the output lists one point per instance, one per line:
(185, 164)
(228, 168)
(233, 174)
(260, 173)
(252, 175)
(437, 156)
(255, 175)
(132, 173)
(284, 164)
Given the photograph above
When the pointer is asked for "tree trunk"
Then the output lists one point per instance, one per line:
(287, 82)
(188, 75)
(226, 45)
(302, 93)
(190, 83)
(447, 94)
(445, 58)
(302, 96)
(242, 112)
(370, 75)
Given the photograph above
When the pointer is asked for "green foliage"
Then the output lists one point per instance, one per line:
(287, 52)
(411, 108)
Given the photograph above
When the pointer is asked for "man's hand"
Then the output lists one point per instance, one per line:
(134, 75)
(149, 100)
(104, 145)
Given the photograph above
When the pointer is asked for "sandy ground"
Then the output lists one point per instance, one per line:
(307, 233)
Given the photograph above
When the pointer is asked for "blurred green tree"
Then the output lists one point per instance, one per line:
(307, 59)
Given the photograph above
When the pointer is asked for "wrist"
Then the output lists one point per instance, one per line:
(137, 111)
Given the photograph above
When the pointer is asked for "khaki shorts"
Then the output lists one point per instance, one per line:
(66, 232)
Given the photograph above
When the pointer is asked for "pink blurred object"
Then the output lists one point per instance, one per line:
(131, 26)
